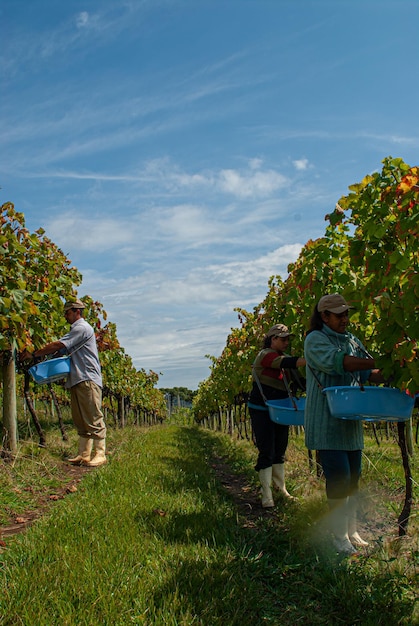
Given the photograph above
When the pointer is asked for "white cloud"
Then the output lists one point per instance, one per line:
(250, 182)
(187, 223)
(253, 273)
(246, 185)
(96, 235)
(301, 164)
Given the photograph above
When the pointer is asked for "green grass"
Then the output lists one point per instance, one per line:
(151, 538)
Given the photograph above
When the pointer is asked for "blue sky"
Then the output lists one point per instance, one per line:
(181, 152)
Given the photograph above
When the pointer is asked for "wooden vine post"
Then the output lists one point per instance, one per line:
(403, 519)
(32, 411)
(9, 403)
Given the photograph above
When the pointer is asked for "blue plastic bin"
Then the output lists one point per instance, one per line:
(51, 370)
(372, 404)
(283, 411)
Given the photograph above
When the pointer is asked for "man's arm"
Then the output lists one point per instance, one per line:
(50, 348)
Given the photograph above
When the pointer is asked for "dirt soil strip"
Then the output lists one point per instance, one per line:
(245, 497)
(71, 476)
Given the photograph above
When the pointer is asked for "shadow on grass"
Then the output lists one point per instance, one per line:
(282, 570)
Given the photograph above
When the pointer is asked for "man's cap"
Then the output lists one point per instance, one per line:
(74, 304)
(334, 303)
(279, 330)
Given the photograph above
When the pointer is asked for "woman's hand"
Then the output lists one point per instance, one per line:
(25, 355)
(377, 377)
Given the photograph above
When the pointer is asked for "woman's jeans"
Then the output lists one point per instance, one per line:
(342, 470)
(271, 439)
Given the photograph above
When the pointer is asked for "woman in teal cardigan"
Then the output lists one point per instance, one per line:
(335, 357)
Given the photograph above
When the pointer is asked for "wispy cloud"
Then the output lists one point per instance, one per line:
(336, 135)
(77, 231)
(73, 33)
(187, 223)
(256, 271)
(249, 182)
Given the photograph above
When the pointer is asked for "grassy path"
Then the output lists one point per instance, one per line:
(153, 539)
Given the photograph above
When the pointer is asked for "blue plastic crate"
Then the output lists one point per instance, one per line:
(51, 370)
(284, 412)
(372, 404)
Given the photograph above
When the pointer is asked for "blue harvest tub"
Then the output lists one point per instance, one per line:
(284, 412)
(372, 404)
(51, 370)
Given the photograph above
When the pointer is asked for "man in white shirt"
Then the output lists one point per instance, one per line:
(85, 384)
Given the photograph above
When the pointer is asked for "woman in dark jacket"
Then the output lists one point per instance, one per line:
(270, 366)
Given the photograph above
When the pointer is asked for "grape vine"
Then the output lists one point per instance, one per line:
(35, 279)
(370, 254)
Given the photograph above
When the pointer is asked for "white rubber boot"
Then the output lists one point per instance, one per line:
(353, 533)
(265, 477)
(338, 523)
(85, 451)
(278, 479)
(99, 457)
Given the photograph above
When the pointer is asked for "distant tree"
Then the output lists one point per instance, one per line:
(183, 393)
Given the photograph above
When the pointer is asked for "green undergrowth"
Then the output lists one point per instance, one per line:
(153, 538)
